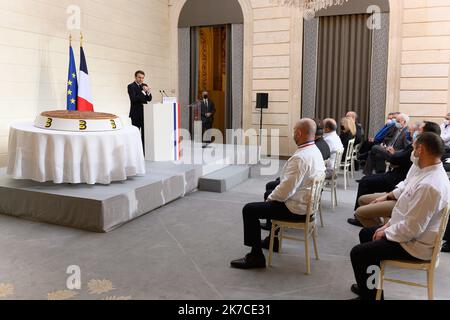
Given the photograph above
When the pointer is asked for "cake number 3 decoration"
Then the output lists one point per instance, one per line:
(83, 125)
(49, 122)
(113, 124)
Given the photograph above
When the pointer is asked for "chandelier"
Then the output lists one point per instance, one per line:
(310, 7)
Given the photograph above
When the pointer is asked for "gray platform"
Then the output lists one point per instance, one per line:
(98, 208)
(225, 179)
(102, 208)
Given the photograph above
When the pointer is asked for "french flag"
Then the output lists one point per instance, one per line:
(85, 101)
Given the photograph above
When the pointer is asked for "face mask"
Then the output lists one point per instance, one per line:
(205, 96)
(416, 134)
(394, 121)
(414, 159)
(398, 125)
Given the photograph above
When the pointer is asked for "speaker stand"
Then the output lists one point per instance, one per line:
(260, 136)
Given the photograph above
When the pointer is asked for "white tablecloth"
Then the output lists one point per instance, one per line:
(74, 157)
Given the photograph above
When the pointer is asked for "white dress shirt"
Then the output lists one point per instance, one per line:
(415, 218)
(335, 144)
(297, 178)
(445, 134)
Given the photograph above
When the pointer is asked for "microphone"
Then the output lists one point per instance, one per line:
(164, 91)
(162, 95)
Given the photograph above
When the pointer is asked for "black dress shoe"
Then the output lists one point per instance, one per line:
(250, 262)
(446, 247)
(266, 243)
(355, 289)
(354, 222)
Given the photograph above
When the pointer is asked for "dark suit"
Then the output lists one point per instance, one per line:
(345, 139)
(447, 168)
(359, 138)
(138, 99)
(378, 155)
(324, 148)
(208, 107)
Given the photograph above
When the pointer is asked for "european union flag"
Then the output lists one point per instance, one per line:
(72, 83)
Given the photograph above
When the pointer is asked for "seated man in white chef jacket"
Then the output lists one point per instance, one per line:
(415, 222)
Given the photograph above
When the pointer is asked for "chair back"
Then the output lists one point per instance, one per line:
(356, 150)
(314, 198)
(351, 146)
(438, 243)
(338, 160)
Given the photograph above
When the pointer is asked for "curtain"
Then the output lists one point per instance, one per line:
(344, 67)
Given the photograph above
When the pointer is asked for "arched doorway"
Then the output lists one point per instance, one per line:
(212, 40)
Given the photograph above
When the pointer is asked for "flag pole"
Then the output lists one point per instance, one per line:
(70, 39)
(81, 39)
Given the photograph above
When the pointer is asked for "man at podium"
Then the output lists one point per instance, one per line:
(139, 94)
(208, 110)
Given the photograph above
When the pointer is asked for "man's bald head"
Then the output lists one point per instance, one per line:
(305, 130)
(329, 125)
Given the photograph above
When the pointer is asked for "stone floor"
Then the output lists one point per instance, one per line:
(182, 251)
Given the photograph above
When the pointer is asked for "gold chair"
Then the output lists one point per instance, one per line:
(309, 226)
(428, 266)
(346, 164)
(332, 181)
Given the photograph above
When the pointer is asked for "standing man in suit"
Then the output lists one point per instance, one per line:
(139, 94)
(208, 110)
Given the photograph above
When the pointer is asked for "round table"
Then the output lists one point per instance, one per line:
(74, 157)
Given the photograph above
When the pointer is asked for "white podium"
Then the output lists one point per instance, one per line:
(162, 132)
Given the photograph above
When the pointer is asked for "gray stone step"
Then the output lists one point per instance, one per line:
(224, 179)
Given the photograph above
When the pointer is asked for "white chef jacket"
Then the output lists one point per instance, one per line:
(335, 144)
(445, 134)
(297, 178)
(415, 218)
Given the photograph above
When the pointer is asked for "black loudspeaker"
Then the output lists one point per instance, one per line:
(262, 101)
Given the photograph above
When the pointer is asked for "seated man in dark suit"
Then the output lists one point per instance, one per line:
(386, 132)
(379, 154)
(139, 94)
(320, 142)
(446, 162)
(386, 182)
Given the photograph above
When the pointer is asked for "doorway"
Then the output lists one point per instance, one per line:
(212, 70)
(211, 58)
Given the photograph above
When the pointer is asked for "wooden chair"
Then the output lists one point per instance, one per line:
(309, 226)
(428, 266)
(355, 158)
(346, 164)
(332, 182)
